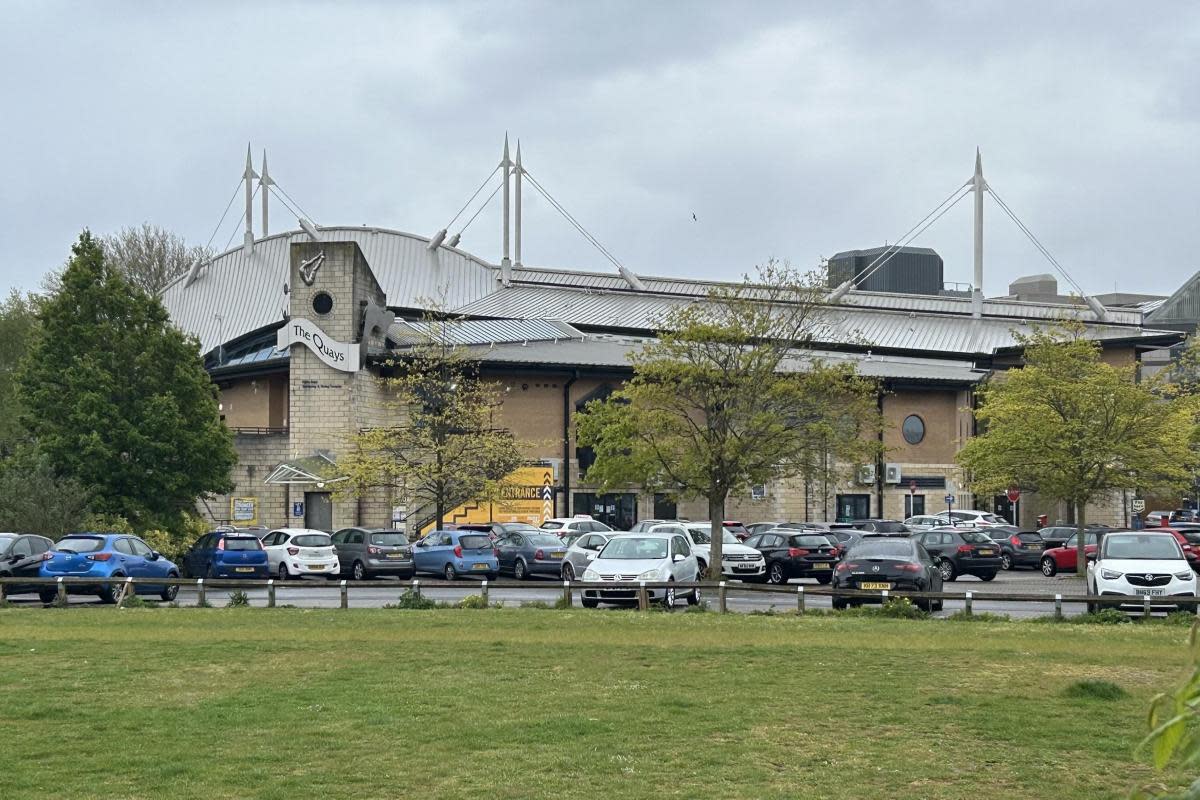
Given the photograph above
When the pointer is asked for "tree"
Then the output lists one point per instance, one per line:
(447, 449)
(18, 325)
(35, 499)
(1074, 428)
(732, 394)
(117, 398)
(150, 257)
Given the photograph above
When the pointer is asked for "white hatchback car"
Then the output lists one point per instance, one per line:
(292, 552)
(633, 557)
(737, 560)
(1139, 564)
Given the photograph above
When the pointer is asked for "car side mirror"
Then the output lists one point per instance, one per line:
(154, 555)
(679, 557)
(1090, 556)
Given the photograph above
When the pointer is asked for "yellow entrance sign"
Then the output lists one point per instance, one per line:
(527, 496)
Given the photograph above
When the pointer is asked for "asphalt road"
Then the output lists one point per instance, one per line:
(315, 593)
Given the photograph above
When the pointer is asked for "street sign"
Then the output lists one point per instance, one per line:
(298, 508)
(912, 487)
(949, 499)
(1139, 505)
(1014, 494)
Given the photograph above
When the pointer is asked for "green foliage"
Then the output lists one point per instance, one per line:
(562, 603)
(414, 601)
(892, 608)
(1095, 690)
(34, 498)
(1180, 618)
(1076, 427)
(118, 398)
(133, 600)
(984, 616)
(107, 523)
(446, 449)
(539, 604)
(18, 328)
(700, 608)
(730, 395)
(1174, 723)
(238, 599)
(473, 601)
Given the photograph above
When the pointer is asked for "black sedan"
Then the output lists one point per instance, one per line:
(960, 551)
(795, 555)
(881, 526)
(887, 563)
(21, 557)
(1017, 548)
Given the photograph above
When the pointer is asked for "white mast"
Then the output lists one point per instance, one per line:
(265, 183)
(517, 218)
(249, 176)
(979, 186)
(505, 261)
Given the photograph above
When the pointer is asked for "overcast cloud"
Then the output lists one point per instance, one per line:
(789, 130)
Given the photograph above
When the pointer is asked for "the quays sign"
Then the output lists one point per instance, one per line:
(338, 355)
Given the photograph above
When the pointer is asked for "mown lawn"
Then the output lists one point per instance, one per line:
(524, 703)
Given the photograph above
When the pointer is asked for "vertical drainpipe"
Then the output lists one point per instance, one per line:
(879, 476)
(566, 479)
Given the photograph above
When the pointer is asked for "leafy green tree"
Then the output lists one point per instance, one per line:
(36, 499)
(446, 449)
(1174, 737)
(732, 394)
(1075, 428)
(117, 398)
(18, 326)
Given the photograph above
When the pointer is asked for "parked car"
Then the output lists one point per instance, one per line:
(1185, 515)
(525, 553)
(365, 553)
(1185, 541)
(924, 522)
(961, 551)
(870, 526)
(293, 552)
(844, 538)
(1056, 535)
(226, 554)
(762, 527)
(1062, 559)
(790, 554)
(737, 560)
(106, 555)
(1155, 519)
(1017, 548)
(736, 528)
(580, 523)
(978, 519)
(894, 563)
(642, 526)
(493, 529)
(454, 553)
(1140, 564)
(650, 557)
(581, 552)
(21, 557)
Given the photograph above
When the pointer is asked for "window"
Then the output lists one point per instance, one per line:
(913, 429)
(914, 505)
(23, 547)
(516, 540)
(123, 546)
(681, 546)
(665, 507)
(140, 548)
(322, 303)
(355, 537)
(339, 537)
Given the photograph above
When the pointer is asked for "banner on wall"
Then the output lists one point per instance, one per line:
(527, 496)
(243, 511)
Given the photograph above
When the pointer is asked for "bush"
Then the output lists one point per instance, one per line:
(413, 601)
(535, 604)
(1184, 618)
(473, 601)
(107, 523)
(132, 600)
(1106, 616)
(562, 603)
(985, 616)
(697, 609)
(238, 599)
(893, 608)
(1095, 690)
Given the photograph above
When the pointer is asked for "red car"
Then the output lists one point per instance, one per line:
(1062, 559)
(1187, 542)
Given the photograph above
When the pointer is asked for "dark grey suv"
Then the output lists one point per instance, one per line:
(370, 552)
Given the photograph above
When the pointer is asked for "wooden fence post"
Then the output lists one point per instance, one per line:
(201, 594)
(483, 591)
(567, 594)
(799, 599)
(969, 605)
(1058, 606)
(345, 590)
(721, 597)
(643, 598)
(270, 592)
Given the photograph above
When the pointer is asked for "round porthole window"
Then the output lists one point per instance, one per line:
(322, 303)
(913, 429)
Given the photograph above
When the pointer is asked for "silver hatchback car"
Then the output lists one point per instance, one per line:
(369, 552)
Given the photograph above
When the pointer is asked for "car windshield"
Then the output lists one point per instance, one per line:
(79, 544)
(1141, 546)
(389, 539)
(809, 541)
(635, 548)
(242, 543)
(975, 537)
(890, 527)
(550, 525)
(513, 527)
(882, 548)
(703, 536)
(312, 540)
(477, 542)
(544, 540)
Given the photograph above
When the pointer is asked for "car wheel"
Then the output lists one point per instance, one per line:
(589, 602)
(939, 604)
(694, 597)
(701, 569)
(171, 591)
(1049, 568)
(987, 576)
(1006, 561)
(669, 598)
(358, 571)
(283, 572)
(824, 580)
(109, 593)
(775, 573)
(568, 572)
(449, 573)
(209, 574)
(947, 569)
(519, 570)
(839, 604)
(47, 597)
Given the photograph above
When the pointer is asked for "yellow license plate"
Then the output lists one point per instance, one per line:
(557, 555)
(820, 566)
(875, 586)
(987, 552)
(243, 569)
(395, 555)
(479, 566)
(316, 566)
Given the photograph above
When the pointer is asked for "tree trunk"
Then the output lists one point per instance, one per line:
(440, 509)
(716, 517)
(1081, 553)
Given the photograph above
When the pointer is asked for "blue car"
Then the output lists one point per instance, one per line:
(106, 555)
(226, 554)
(454, 553)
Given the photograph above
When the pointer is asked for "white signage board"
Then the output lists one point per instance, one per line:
(338, 355)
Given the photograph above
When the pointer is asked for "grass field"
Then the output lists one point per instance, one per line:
(523, 703)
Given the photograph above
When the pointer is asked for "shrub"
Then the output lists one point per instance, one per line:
(697, 609)
(107, 523)
(238, 599)
(60, 601)
(893, 608)
(1107, 616)
(1095, 690)
(1184, 618)
(562, 603)
(985, 616)
(132, 600)
(535, 604)
(473, 601)
(411, 601)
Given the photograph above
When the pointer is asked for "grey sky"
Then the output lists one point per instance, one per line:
(790, 130)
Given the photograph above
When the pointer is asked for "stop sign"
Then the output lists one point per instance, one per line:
(1014, 494)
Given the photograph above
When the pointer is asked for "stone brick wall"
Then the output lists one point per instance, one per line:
(257, 456)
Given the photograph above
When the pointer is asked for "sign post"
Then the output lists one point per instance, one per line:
(950, 507)
(1014, 497)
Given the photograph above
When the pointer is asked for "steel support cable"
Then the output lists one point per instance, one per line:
(217, 229)
(297, 205)
(473, 196)
(1036, 243)
(578, 226)
(240, 220)
(484, 205)
(909, 236)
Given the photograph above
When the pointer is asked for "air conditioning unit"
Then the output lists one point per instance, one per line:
(891, 473)
(866, 473)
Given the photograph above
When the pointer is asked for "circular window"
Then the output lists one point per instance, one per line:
(322, 303)
(913, 429)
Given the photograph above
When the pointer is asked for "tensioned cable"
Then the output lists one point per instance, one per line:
(578, 226)
(477, 191)
(909, 236)
(1036, 243)
(495, 191)
(217, 229)
(293, 210)
(239, 223)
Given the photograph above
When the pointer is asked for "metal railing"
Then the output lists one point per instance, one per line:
(640, 591)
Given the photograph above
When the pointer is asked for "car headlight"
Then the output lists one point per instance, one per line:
(1109, 574)
(591, 575)
(1183, 576)
(649, 575)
